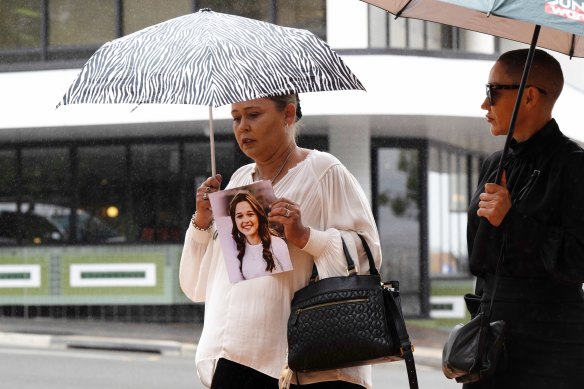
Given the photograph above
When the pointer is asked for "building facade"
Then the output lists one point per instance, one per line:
(94, 201)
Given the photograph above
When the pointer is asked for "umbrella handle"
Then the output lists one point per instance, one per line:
(526, 69)
(212, 142)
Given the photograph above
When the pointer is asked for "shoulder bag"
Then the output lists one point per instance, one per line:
(348, 321)
(474, 350)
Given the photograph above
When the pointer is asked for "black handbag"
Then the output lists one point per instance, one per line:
(348, 321)
(474, 350)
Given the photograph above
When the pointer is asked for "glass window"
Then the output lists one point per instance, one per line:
(197, 162)
(307, 14)
(254, 9)
(139, 14)
(102, 214)
(46, 193)
(378, 25)
(155, 183)
(81, 22)
(398, 220)
(8, 176)
(434, 33)
(20, 24)
(8, 196)
(416, 34)
(447, 212)
(398, 33)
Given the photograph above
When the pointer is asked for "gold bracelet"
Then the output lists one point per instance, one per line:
(199, 228)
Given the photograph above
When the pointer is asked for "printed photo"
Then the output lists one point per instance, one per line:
(252, 247)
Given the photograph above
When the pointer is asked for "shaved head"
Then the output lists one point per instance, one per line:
(545, 72)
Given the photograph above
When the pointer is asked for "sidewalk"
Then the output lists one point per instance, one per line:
(167, 339)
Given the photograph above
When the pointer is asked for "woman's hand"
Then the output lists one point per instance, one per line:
(287, 213)
(203, 205)
(495, 202)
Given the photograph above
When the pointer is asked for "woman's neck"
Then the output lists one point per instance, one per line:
(254, 240)
(275, 168)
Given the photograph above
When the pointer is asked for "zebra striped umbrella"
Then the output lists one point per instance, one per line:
(209, 58)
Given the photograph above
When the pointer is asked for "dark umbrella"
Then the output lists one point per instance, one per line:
(209, 58)
(555, 25)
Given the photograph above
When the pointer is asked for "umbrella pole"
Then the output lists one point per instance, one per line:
(212, 141)
(522, 84)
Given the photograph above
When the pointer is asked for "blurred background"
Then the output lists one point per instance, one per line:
(95, 201)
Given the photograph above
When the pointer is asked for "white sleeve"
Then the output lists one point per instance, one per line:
(194, 263)
(345, 212)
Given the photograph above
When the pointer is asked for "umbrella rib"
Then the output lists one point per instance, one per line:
(398, 14)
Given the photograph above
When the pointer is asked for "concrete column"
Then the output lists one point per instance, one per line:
(350, 142)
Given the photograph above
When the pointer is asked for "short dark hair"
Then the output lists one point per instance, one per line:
(546, 71)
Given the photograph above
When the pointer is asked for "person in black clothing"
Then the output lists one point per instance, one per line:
(539, 209)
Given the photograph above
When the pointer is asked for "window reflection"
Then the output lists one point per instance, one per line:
(155, 183)
(398, 219)
(307, 14)
(20, 22)
(139, 14)
(448, 193)
(81, 22)
(102, 215)
(45, 193)
(254, 9)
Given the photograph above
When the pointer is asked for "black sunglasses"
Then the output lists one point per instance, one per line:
(492, 87)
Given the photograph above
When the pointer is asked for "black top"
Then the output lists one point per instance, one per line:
(545, 226)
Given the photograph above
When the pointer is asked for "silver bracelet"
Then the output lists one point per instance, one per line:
(199, 228)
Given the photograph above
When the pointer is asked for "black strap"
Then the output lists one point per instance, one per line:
(350, 264)
(406, 348)
(372, 269)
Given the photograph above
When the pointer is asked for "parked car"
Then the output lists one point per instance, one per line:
(41, 223)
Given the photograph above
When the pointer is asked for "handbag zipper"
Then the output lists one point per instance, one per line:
(317, 306)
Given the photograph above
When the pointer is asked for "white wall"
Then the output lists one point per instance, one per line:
(346, 24)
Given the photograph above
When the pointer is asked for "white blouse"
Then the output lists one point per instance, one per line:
(254, 265)
(245, 322)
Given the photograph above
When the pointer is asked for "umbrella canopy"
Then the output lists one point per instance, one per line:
(562, 22)
(209, 58)
(551, 24)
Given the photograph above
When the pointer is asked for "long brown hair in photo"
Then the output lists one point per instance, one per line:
(263, 229)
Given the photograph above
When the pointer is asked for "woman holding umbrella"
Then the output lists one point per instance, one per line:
(534, 222)
(243, 344)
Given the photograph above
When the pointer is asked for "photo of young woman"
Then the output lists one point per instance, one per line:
(259, 250)
(251, 246)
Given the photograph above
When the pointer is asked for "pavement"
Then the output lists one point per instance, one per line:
(176, 339)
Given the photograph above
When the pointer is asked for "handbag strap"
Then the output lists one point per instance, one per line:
(486, 318)
(406, 348)
(372, 269)
(350, 263)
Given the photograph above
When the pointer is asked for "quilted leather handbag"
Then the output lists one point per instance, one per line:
(348, 321)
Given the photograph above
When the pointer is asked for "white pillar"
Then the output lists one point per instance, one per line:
(350, 142)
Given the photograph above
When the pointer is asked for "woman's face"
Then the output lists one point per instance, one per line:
(247, 221)
(499, 114)
(259, 128)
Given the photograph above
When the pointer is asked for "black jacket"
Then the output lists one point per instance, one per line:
(545, 226)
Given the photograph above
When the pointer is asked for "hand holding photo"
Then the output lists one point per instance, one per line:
(252, 247)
